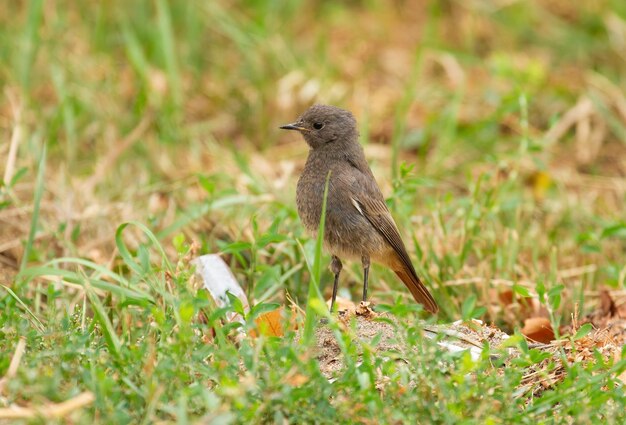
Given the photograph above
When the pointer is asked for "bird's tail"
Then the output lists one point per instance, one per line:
(417, 288)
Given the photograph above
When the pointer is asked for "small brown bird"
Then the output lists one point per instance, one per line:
(358, 222)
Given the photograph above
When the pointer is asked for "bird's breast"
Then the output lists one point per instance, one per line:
(309, 198)
(347, 233)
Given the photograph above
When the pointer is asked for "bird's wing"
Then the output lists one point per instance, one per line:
(377, 213)
(370, 203)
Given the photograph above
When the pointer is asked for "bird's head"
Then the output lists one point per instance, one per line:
(325, 125)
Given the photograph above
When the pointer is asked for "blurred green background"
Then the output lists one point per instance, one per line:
(496, 129)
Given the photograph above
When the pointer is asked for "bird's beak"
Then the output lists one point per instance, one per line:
(294, 126)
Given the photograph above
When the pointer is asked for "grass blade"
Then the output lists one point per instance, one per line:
(315, 303)
(134, 296)
(30, 43)
(127, 256)
(168, 49)
(36, 204)
(113, 342)
(34, 319)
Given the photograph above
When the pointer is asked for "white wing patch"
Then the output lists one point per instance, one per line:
(357, 206)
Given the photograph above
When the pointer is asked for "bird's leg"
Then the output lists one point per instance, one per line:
(335, 267)
(365, 259)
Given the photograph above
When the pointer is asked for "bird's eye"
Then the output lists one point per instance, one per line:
(318, 125)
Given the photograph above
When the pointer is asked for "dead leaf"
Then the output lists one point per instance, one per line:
(364, 309)
(270, 324)
(506, 297)
(538, 329)
(607, 305)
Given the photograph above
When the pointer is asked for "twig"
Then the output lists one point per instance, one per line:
(5, 246)
(454, 334)
(576, 271)
(506, 282)
(56, 411)
(582, 109)
(561, 274)
(108, 161)
(16, 137)
(15, 363)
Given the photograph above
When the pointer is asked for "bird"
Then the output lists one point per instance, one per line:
(358, 224)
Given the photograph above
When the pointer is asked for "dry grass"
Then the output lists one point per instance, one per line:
(512, 115)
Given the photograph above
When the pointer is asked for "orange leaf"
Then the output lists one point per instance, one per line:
(506, 297)
(538, 329)
(270, 324)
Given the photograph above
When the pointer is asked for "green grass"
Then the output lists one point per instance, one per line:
(152, 125)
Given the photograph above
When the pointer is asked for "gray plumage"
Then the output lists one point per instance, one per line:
(358, 222)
